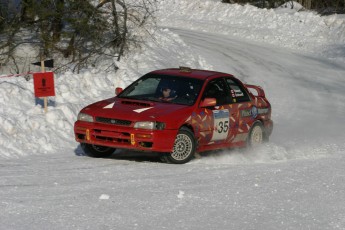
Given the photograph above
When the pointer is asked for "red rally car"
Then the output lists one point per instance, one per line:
(176, 112)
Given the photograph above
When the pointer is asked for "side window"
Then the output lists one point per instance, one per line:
(217, 89)
(237, 92)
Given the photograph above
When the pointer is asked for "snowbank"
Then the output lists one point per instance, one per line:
(303, 30)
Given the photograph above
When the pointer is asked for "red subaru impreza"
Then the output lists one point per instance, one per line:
(176, 113)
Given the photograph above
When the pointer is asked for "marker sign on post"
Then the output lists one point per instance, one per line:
(44, 84)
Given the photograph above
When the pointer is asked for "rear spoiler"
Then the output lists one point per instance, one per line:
(258, 89)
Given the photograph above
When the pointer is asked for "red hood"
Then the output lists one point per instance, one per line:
(135, 110)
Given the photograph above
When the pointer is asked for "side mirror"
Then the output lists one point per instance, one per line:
(118, 90)
(208, 102)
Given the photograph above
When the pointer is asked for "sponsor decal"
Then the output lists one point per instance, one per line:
(246, 113)
(233, 94)
(239, 93)
(263, 110)
(253, 112)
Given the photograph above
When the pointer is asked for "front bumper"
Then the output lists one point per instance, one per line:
(125, 137)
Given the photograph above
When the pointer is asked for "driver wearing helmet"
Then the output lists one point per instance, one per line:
(168, 94)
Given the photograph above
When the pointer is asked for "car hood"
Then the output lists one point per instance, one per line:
(135, 110)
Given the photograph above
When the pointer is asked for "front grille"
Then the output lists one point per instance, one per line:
(113, 121)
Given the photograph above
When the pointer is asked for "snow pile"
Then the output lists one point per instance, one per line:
(303, 30)
(25, 129)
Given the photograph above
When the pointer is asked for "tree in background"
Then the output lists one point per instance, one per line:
(318, 5)
(76, 33)
(9, 27)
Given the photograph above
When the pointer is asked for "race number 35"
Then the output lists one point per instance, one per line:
(223, 127)
(221, 124)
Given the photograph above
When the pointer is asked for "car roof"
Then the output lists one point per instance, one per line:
(188, 72)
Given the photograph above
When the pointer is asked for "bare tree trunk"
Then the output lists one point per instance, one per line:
(116, 23)
(124, 33)
(57, 24)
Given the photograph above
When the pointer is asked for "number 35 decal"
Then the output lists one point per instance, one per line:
(223, 127)
(221, 124)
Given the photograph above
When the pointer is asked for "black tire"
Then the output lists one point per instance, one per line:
(97, 151)
(184, 148)
(256, 135)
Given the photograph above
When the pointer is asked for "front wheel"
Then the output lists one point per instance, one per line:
(97, 151)
(184, 148)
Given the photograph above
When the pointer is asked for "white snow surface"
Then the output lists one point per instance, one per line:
(296, 181)
(303, 30)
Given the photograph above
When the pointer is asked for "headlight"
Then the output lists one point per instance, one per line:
(149, 125)
(85, 117)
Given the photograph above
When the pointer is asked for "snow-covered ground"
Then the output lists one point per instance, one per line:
(294, 182)
(283, 27)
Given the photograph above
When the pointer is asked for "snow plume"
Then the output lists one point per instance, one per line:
(269, 153)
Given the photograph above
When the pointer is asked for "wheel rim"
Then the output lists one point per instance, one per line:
(182, 148)
(100, 149)
(257, 136)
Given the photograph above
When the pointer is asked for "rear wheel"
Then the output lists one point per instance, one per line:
(184, 148)
(256, 135)
(97, 150)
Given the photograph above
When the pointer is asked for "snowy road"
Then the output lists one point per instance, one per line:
(71, 192)
(295, 182)
(306, 92)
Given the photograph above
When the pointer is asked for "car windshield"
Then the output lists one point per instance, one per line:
(165, 89)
